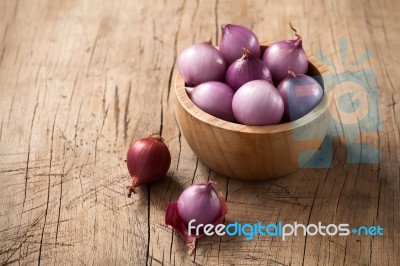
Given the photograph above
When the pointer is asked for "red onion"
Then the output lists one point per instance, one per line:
(200, 63)
(283, 55)
(300, 94)
(148, 160)
(214, 98)
(193, 202)
(234, 38)
(257, 103)
(200, 202)
(246, 69)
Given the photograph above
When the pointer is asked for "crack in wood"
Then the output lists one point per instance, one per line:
(116, 112)
(126, 119)
(73, 91)
(216, 22)
(48, 190)
(11, 110)
(2, 53)
(61, 194)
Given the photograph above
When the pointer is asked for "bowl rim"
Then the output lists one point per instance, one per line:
(204, 117)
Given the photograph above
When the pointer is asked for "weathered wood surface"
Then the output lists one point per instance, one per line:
(79, 80)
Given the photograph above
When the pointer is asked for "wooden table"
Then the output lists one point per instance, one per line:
(79, 80)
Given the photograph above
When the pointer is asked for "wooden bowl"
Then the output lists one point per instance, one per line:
(253, 152)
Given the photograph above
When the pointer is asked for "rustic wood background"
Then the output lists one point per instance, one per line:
(79, 80)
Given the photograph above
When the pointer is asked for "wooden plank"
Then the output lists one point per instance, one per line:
(79, 80)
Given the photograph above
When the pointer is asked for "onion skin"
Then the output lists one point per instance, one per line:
(234, 38)
(214, 98)
(201, 63)
(283, 55)
(258, 103)
(173, 218)
(300, 94)
(245, 69)
(148, 160)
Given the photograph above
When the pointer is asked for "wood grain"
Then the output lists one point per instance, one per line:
(79, 80)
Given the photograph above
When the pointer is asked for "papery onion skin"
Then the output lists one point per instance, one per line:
(300, 94)
(214, 98)
(283, 55)
(201, 63)
(245, 69)
(148, 160)
(234, 38)
(257, 103)
(199, 202)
